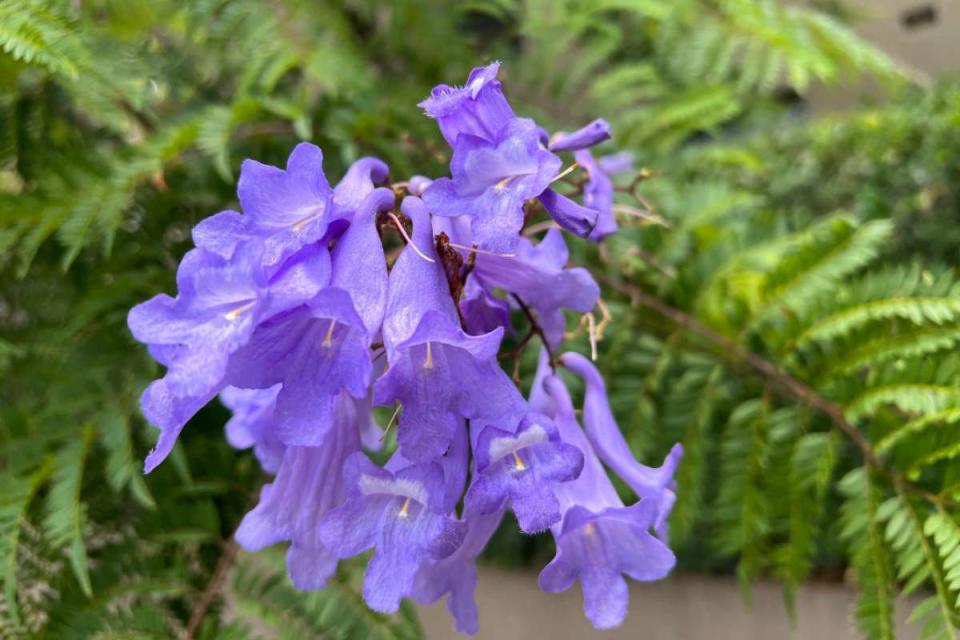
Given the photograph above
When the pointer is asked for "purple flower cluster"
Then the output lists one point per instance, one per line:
(289, 313)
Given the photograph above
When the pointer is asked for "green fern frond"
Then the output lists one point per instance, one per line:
(824, 255)
(918, 310)
(894, 345)
(34, 33)
(909, 398)
(260, 594)
(16, 494)
(811, 467)
(66, 513)
(946, 535)
(918, 561)
(918, 425)
(122, 470)
(870, 555)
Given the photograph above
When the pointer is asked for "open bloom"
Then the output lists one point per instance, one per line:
(599, 540)
(401, 515)
(522, 468)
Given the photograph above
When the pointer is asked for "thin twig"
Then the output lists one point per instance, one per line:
(219, 576)
(535, 327)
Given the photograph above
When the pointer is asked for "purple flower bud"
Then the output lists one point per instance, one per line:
(568, 214)
(598, 195)
(588, 136)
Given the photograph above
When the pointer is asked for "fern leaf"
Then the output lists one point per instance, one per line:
(918, 425)
(33, 33)
(830, 251)
(16, 494)
(918, 310)
(122, 470)
(870, 555)
(811, 467)
(918, 561)
(262, 596)
(65, 519)
(946, 535)
(919, 342)
(910, 398)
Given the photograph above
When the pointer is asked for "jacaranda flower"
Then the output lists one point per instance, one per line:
(295, 315)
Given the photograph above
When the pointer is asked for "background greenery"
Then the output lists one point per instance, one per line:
(794, 324)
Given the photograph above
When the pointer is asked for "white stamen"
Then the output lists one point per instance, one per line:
(475, 249)
(390, 422)
(591, 321)
(328, 339)
(563, 174)
(403, 232)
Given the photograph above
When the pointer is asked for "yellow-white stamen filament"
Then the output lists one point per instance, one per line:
(592, 323)
(328, 339)
(404, 510)
(518, 462)
(235, 313)
(563, 174)
(428, 363)
(409, 240)
(475, 249)
(390, 422)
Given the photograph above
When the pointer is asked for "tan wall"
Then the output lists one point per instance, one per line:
(682, 607)
(931, 48)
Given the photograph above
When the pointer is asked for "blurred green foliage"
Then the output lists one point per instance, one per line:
(794, 326)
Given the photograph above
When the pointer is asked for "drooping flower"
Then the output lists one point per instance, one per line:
(599, 540)
(539, 275)
(401, 515)
(288, 209)
(309, 483)
(437, 371)
(499, 162)
(522, 467)
(456, 575)
(653, 484)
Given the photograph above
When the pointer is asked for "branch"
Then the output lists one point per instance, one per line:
(535, 328)
(794, 388)
(213, 588)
